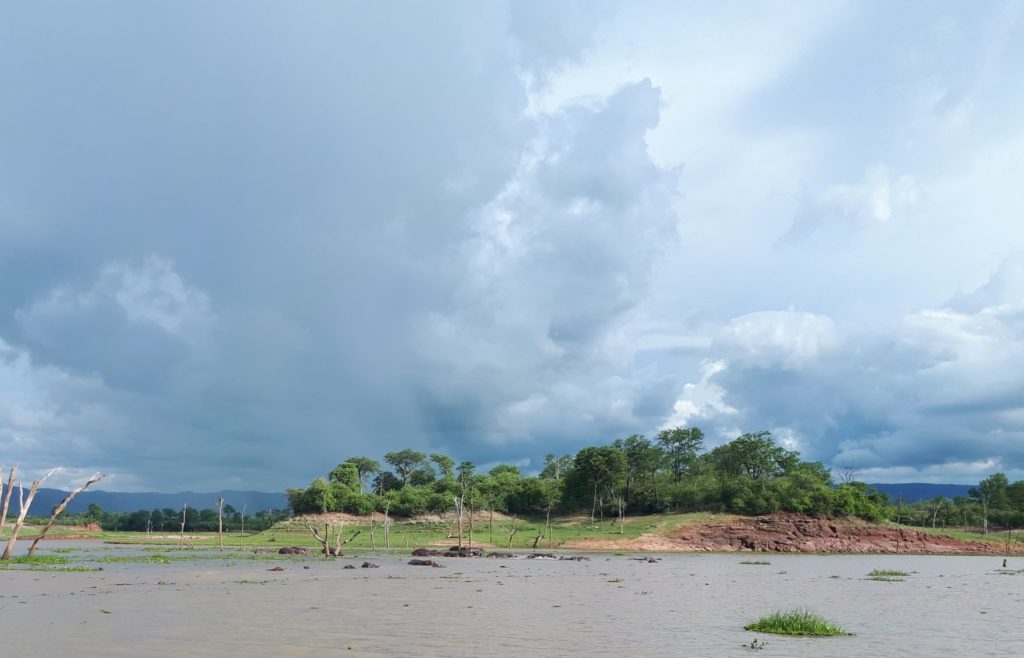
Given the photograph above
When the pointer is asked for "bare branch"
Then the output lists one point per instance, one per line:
(23, 506)
(60, 508)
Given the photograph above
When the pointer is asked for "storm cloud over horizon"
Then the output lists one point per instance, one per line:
(240, 242)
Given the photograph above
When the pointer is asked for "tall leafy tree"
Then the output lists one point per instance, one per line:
(755, 456)
(991, 493)
(596, 470)
(556, 468)
(643, 459)
(405, 462)
(681, 445)
(364, 466)
(347, 475)
(445, 465)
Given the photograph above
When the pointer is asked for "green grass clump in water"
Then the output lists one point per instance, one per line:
(39, 559)
(795, 622)
(887, 575)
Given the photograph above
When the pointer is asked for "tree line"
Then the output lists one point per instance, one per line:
(994, 503)
(169, 520)
(672, 472)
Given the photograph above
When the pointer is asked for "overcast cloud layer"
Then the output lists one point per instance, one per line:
(241, 242)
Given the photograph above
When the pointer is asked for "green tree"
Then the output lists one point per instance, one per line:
(346, 474)
(643, 459)
(754, 456)
(320, 496)
(681, 445)
(992, 494)
(445, 465)
(405, 462)
(595, 471)
(365, 467)
(556, 468)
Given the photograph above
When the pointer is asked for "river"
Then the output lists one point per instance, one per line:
(681, 605)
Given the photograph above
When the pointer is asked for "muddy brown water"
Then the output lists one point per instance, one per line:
(683, 605)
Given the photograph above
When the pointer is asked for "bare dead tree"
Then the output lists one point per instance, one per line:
(241, 533)
(7, 497)
(330, 534)
(513, 532)
(458, 512)
(387, 525)
(847, 473)
(471, 518)
(60, 508)
(220, 522)
(23, 505)
(181, 537)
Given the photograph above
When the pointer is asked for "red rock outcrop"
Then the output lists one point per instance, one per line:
(793, 533)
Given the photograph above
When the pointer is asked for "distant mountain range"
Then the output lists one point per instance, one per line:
(117, 501)
(913, 491)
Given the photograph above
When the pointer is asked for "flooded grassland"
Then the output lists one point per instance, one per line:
(159, 603)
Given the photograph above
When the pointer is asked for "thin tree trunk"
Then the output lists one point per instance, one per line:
(7, 498)
(547, 524)
(60, 508)
(220, 522)
(181, 535)
(23, 506)
(513, 533)
(471, 521)
(241, 533)
(458, 510)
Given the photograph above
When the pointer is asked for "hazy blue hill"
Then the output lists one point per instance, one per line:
(115, 501)
(912, 491)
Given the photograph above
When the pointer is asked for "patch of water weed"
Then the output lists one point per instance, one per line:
(888, 575)
(140, 559)
(795, 622)
(1010, 572)
(38, 559)
(755, 562)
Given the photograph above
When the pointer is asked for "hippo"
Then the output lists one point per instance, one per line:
(293, 550)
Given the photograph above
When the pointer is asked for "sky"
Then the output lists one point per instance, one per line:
(243, 241)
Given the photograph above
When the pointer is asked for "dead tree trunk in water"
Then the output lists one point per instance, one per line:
(181, 536)
(241, 533)
(328, 536)
(60, 508)
(513, 533)
(7, 497)
(547, 524)
(220, 522)
(458, 510)
(23, 505)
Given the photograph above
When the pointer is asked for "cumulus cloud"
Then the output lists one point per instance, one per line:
(283, 237)
(937, 399)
